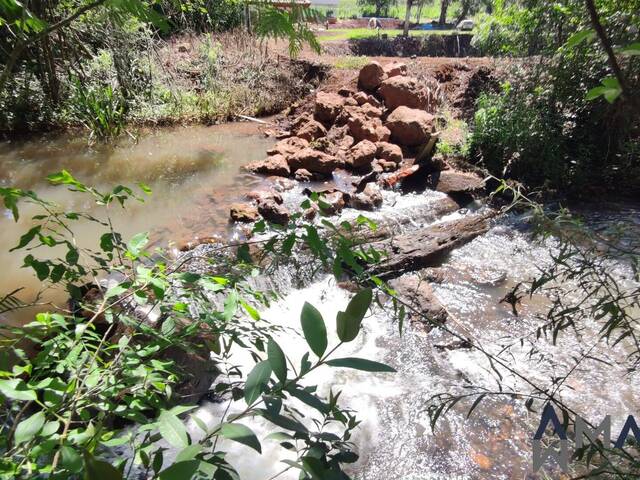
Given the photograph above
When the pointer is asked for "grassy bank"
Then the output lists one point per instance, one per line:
(183, 79)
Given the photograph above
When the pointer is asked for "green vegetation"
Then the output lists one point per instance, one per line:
(112, 371)
(570, 120)
(359, 33)
(103, 65)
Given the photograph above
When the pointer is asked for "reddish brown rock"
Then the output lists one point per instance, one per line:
(389, 152)
(394, 69)
(363, 128)
(333, 202)
(406, 91)
(273, 212)
(328, 107)
(369, 199)
(363, 98)
(410, 126)
(314, 161)
(243, 212)
(371, 76)
(264, 196)
(361, 154)
(303, 175)
(311, 130)
(380, 165)
(451, 181)
(288, 146)
(273, 165)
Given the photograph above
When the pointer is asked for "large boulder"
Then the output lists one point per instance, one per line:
(405, 91)
(371, 76)
(273, 165)
(389, 152)
(410, 127)
(328, 107)
(243, 212)
(369, 199)
(314, 161)
(362, 154)
(288, 146)
(362, 127)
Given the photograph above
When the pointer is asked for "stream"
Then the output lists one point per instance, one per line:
(194, 174)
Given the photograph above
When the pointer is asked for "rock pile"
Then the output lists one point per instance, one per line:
(379, 128)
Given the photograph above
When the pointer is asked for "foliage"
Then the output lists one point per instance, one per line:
(562, 122)
(52, 57)
(106, 373)
(290, 25)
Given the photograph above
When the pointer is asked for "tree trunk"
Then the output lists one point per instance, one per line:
(444, 6)
(464, 10)
(407, 17)
(606, 45)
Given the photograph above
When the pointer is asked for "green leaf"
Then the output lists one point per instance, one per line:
(314, 467)
(277, 360)
(360, 364)
(137, 243)
(257, 380)
(16, 389)
(98, 470)
(241, 434)
(189, 453)
(314, 329)
(27, 237)
(29, 428)
(633, 49)
(348, 322)
(180, 471)
(71, 460)
(579, 37)
(172, 430)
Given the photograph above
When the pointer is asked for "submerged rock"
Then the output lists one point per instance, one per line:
(369, 199)
(243, 212)
(418, 294)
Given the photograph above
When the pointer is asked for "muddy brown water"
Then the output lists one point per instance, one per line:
(194, 173)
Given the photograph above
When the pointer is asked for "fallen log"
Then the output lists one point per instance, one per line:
(427, 246)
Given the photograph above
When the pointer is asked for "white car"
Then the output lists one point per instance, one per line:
(466, 25)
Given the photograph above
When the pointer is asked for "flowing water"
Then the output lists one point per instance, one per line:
(194, 175)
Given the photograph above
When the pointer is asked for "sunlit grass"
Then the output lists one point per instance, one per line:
(350, 9)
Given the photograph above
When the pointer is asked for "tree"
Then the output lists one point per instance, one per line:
(381, 6)
(444, 6)
(405, 31)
